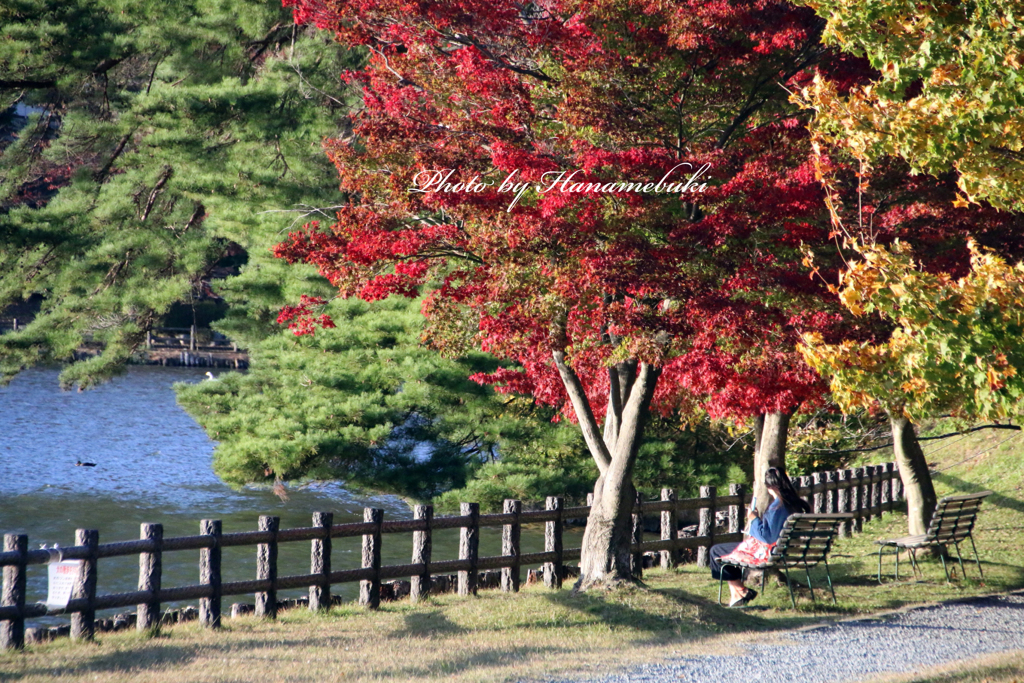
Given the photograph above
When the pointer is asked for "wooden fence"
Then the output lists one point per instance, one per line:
(865, 491)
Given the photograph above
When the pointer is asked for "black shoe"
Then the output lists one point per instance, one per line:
(745, 600)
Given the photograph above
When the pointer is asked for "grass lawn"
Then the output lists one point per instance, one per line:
(501, 637)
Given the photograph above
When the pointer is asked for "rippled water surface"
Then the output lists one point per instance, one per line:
(153, 464)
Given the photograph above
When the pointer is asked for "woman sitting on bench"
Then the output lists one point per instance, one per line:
(763, 533)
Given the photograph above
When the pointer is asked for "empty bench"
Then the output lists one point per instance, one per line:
(952, 523)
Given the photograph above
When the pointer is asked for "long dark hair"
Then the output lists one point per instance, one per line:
(777, 479)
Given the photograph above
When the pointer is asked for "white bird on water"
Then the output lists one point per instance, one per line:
(210, 377)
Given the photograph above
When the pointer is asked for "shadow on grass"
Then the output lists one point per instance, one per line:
(426, 625)
(697, 618)
(964, 486)
(150, 655)
(504, 655)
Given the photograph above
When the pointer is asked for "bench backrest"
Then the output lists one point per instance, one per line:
(806, 539)
(954, 518)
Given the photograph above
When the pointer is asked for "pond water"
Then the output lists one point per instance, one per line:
(153, 464)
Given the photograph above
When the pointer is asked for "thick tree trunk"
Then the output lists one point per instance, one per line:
(605, 555)
(917, 482)
(771, 452)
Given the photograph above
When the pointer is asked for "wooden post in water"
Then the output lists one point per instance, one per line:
(510, 534)
(818, 505)
(844, 500)
(553, 543)
(266, 568)
(320, 563)
(369, 589)
(422, 546)
(706, 525)
(469, 548)
(150, 573)
(669, 529)
(209, 574)
(83, 623)
(12, 632)
(638, 536)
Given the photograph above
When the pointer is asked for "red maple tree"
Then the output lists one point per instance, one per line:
(612, 302)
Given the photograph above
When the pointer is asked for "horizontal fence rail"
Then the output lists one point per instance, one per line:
(864, 491)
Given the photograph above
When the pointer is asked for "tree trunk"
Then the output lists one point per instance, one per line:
(771, 452)
(917, 482)
(605, 554)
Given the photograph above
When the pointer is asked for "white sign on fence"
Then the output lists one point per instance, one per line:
(62, 580)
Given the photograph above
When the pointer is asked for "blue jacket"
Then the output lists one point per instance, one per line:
(768, 527)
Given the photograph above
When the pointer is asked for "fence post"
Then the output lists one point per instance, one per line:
(510, 533)
(669, 529)
(553, 543)
(897, 485)
(83, 623)
(805, 485)
(320, 563)
(469, 547)
(818, 497)
(192, 338)
(209, 574)
(871, 491)
(150, 571)
(857, 499)
(706, 525)
(266, 568)
(422, 544)
(845, 497)
(369, 589)
(638, 536)
(736, 511)
(12, 632)
(887, 474)
(877, 483)
(831, 502)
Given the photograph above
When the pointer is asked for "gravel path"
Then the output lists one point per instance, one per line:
(856, 650)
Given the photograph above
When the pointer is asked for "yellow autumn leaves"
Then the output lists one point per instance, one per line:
(957, 346)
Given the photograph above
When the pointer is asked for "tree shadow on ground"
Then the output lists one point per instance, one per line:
(150, 655)
(427, 625)
(696, 618)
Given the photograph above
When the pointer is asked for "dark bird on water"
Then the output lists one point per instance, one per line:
(85, 464)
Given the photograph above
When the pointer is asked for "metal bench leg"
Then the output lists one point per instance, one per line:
(963, 574)
(976, 558)
(829, 575)
(897, 564)
(880, 549)
(809, 586)
(913, 562)
(942, 556)
(789, 585)
(720, 580)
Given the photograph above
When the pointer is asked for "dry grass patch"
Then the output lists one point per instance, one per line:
(493, 637)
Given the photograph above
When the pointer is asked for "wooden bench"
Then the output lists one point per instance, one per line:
(805, 540)
(953, 522)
